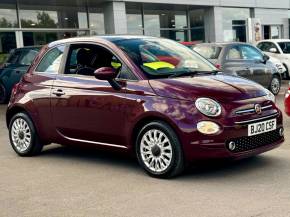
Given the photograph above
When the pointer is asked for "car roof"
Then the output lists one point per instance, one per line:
(222, 44)
(101, 38)
(275, 40)
(28, 48)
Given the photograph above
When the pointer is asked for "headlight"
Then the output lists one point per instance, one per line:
(270, 96)
(208, 127)
(208, 107)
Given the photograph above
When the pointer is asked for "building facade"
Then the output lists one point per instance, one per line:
(32, 22)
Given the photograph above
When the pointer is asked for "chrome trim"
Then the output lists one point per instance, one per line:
(92, 142)
(252, 110)
(257, 119)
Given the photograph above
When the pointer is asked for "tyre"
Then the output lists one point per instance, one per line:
(286, 74)
(3, 94)
(159, 151)
(275, 85)
(23, 136)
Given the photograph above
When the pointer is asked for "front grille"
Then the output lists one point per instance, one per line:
(248, 143)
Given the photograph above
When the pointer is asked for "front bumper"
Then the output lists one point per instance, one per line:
(216, 147)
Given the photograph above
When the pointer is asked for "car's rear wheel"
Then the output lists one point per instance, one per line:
(275, 85)
(159, 151)
(23, 135)
(3, 94)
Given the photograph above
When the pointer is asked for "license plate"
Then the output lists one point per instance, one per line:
(262, 127)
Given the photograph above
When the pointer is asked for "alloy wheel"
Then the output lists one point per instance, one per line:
(156, 150)
(21, 135)
(275, 85)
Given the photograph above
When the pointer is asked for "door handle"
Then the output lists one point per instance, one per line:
(58, 92)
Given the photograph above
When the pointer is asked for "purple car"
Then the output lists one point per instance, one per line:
(148, 96)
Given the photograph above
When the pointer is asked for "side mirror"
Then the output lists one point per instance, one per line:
(273, 50)
(265, 58)
(108, 74)
(105, 73)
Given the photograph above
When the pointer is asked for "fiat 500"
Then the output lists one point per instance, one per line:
(148, 96)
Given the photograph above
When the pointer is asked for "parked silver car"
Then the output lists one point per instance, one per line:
(241, 59)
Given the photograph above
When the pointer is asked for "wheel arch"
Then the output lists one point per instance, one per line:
(150, 118)
(14, 110)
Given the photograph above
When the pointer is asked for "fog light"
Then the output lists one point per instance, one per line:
(232, 146)
(208, 127)
(281, 132)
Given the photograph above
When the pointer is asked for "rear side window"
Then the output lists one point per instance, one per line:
(50, 63)
(14, 57)
(28, 57)
(209, 52)
(234, 54)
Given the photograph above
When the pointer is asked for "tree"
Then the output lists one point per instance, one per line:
(43, 21)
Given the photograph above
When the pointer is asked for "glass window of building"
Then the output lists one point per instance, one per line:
(289, 21)
(152, 25)
(53, 17)
(234, 24)
(197, 25)
(7, 43)
(165, 19)
(176, 35)
(8, 16)
(97, 23)
(42, 38)
(169, 23)
(134, 19)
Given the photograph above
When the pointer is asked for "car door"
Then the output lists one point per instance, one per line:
(261, 72)
(87, 110)
(39, 82)
(234, 64)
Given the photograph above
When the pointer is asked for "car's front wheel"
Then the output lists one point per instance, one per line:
(275, 85)
(159, 151)
(23, 135)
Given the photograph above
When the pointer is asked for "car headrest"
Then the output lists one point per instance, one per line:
(83, 57)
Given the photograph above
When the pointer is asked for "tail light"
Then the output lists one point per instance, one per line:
(287, 93)
(14, 90)
(218, 66)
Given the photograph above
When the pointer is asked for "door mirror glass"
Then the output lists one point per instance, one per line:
(105, 73)
(273, 50)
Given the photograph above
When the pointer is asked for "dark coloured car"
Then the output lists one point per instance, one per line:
(113, 92)
(242, 59)
(13, 69)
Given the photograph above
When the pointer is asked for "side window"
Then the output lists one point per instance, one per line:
(14, 57)
(84, 59)
(262, 46)
(250, 53)
(266, 46)
(50, 63)
(126, 74)
(234, 54)
(28, 57)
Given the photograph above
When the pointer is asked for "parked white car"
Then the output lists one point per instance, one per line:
(279, 65)
(277, 48)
